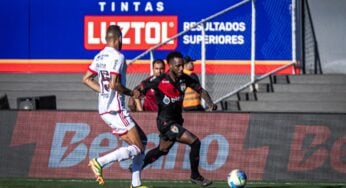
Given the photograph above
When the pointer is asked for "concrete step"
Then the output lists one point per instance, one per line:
(307, 97)
(64, 78)
(43, 86)
(76, 105)
(311, 79)
(81, 96)
(289, 106)
(310, 88)
(229, 105)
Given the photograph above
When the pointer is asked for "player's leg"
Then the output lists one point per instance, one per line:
(124, 127)
(193, 141)
(155, 153)
(166, 142)
(137, 161)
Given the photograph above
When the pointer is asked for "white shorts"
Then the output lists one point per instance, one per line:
(120, 122)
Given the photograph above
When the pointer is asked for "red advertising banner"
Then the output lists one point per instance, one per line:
(139, 32)
(65, 141)
(50, 144)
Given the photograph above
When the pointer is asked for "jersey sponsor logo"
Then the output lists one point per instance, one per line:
(139, 32)
(166, 100)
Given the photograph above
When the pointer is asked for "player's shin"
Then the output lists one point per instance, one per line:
(194, 158)
(119, 154)
(137, 163)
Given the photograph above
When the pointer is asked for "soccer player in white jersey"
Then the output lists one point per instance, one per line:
(110, 67)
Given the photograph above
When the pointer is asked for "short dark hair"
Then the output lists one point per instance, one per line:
(158, 61)
(113, 31)
(173, 55)
(188, 59)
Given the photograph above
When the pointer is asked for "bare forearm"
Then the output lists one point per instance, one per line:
(138, 105)
(92, 84)
(123, 90)
(205, 95)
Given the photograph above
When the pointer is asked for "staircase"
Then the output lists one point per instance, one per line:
(293, 93)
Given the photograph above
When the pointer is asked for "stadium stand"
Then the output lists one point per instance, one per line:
(277, 93)
(293, 93)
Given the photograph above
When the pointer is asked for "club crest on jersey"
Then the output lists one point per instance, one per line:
(182, 87)
(174, 129)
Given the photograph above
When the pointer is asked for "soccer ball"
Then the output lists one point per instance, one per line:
(236, 179)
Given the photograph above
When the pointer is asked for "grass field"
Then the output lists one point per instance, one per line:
(88, 183)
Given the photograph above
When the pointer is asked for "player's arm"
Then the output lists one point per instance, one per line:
(114, 82)
(135, 105)
(195, 85)
(205, 95)
(116, 85)
(145, 85)
(89, 80)
(138, 105)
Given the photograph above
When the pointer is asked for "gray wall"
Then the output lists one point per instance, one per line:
(329, 19)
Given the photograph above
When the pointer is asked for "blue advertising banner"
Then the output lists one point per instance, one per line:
(74, 30)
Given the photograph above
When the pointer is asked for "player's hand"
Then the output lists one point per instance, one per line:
(136, 94)
(212, 108)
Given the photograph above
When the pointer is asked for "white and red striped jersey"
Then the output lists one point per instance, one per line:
(106, 62)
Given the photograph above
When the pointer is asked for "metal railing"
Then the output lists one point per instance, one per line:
(201, 23)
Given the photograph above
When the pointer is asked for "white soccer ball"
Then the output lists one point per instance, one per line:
(236, 179)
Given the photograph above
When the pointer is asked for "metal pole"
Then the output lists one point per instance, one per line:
(151, 62)
(253, 41)
(203, 57)
(293, 25)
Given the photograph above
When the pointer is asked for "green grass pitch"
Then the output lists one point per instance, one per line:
(89, 183)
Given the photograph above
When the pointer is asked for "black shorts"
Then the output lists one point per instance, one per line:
(170, 130)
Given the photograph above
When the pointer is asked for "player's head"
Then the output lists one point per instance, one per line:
(158, 67)
(114, 37)
(188, 63)
(175, 62)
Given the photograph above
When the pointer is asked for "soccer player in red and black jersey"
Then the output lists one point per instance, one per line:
(149, 100)
(169, 92)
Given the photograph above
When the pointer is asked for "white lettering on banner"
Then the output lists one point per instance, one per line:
(221, 157)
(214, 36)
(135, 6)
(75, 151)
(155, 32)
(58, 153)
(91, 38)
(69, 149)
(214, 39)
(222, 151)
(139, 32)
(217, 26)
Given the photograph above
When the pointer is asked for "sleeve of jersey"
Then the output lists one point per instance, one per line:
(118, 62)
(194, 84)
(195, 77)
(149, 84)
(92, 68)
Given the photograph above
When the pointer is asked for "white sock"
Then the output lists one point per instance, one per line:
(137, 163)
(119, 154)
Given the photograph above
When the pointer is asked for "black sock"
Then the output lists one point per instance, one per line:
(152, 156)
(194, 158)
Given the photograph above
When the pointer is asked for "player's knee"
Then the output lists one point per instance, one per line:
(141, 148)
(163, 151)
(196, 144)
